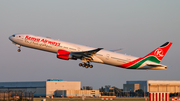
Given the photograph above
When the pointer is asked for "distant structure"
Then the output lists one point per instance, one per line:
(153, 86)
(77, 93)
(48, 88)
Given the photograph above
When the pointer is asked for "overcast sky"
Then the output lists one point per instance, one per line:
(139, 26)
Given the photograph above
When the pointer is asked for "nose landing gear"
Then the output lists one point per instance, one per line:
(19, 46)
(19, 50)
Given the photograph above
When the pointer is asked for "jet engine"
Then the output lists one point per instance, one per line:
(65, 55)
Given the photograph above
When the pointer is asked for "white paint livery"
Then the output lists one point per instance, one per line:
(66, 50)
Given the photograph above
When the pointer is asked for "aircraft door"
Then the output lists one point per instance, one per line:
(78, 49)
(107, 57)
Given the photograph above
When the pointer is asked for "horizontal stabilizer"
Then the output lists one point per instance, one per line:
(154, 65)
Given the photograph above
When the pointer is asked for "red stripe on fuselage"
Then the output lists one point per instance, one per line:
(130, 63)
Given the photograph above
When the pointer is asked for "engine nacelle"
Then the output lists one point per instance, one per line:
(66, 55)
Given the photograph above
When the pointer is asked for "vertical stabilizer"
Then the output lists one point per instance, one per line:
(158, 54)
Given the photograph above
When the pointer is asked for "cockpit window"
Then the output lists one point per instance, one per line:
(13, 35)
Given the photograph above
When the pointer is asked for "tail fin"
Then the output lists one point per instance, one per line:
(158, 54)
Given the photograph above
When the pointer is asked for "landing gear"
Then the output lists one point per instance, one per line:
(86, 62)
(19, 46)
(80, 64)
(19, 50)
(86, 65)
(91, 66)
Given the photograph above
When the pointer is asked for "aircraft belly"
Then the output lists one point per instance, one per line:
(96, 59)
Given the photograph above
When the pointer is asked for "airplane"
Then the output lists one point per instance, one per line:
(65, 50)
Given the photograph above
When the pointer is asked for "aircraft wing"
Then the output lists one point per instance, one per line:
(117, 50)
(83, 54)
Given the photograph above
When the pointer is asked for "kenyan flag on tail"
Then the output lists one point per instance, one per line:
(155, 56)
(158, 54)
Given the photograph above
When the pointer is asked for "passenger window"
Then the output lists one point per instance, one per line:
(66, 47)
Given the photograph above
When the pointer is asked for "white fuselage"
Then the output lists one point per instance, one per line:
(51, 45)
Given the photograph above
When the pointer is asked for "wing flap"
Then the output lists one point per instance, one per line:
(89, 53)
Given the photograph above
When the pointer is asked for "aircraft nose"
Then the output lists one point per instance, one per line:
(11, 37)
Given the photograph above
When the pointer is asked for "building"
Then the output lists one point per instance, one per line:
(41, 88)
(77, 93)
(153, 86)
(131, 87)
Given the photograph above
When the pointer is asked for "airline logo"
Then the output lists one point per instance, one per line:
(155, 56)
(159, 53)
(42, 40)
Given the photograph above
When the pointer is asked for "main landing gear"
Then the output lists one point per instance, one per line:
(86, 65)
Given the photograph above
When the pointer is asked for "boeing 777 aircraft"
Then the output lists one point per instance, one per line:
(66, 51)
